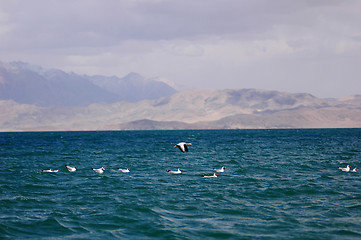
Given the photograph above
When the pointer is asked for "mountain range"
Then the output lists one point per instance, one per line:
(135, 103)
(29, 84)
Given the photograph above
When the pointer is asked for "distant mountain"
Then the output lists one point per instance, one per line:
(29, 84)
(203, 109)
(298, 118)
(133, 87)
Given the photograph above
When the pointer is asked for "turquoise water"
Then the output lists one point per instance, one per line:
(279, 184)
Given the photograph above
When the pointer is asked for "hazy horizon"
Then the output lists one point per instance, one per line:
(303, 46)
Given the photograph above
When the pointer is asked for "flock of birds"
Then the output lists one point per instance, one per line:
(183, 147)
(348, 169)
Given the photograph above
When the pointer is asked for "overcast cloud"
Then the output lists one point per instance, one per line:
(296, 46)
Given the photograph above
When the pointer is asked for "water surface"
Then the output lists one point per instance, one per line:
(279, 184)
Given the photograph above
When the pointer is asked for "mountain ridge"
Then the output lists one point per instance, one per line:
(31, 84)
(202, 109)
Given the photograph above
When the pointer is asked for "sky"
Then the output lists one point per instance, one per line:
(311, 46)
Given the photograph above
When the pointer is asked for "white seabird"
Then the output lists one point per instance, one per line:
(346, 169)
(355, 170)
(71, 169)
(210, 176)
(220, 170)
(124, 170)
(179, 171)
(50, 170)
(99, 170)
(183, 146)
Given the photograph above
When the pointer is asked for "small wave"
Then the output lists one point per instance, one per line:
(241, 170)
(280, 192)
(326, 176)
(232, 161)
(356, 206)
(345, 233)
(39, 229)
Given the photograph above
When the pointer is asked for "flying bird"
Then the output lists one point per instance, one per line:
(220, 170)
(346, 169)
(99, 170)
(71, 169)
(183, 146)
(124, 170)
(179, 171)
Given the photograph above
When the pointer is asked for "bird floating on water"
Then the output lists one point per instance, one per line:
(346, 169)
(124, 170)
(50, 170)
(210, 176)
(71, 169)
(179, 171)
(183, 146)
(355, 170)
(99, 170)
(220, 170)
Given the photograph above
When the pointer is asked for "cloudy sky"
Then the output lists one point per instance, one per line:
(309, 46)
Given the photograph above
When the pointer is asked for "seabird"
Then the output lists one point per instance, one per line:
(220, 170)
(346, 169)
(124, 170)
(355, 170)
(71, 169)
(50, 170)
(183, 146)
(210, 176)
(179, 171)
(99, 170)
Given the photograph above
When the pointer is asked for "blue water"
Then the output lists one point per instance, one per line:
(279, 184)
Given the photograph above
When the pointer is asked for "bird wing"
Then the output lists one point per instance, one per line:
(181, 147)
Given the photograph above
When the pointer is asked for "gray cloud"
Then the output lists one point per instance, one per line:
(89, 23)
(228, 43)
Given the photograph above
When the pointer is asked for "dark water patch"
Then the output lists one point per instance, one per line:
(347, 233)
